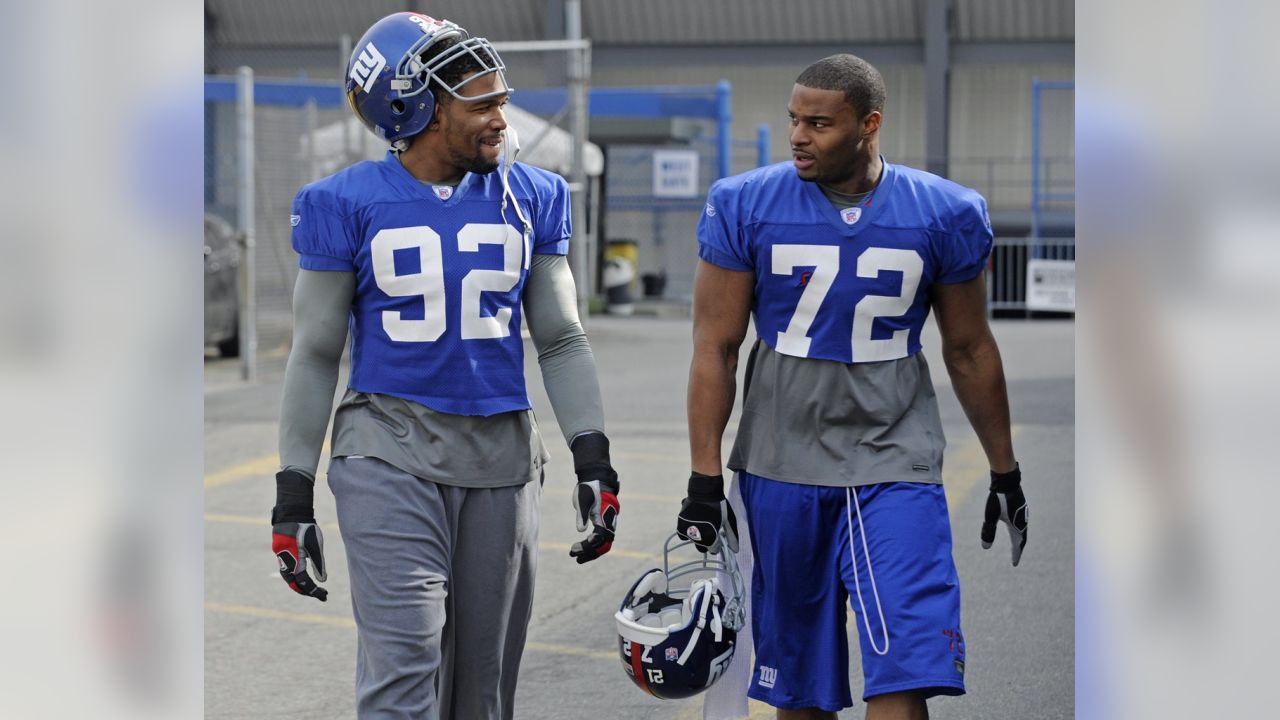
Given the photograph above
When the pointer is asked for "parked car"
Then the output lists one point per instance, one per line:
(221, 286)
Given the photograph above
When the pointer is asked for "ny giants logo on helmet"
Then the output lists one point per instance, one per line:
(402, 61)
(368, 66)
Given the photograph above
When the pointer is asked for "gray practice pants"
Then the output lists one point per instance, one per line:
(442, 586)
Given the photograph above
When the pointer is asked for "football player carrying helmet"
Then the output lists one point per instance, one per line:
(678, 626)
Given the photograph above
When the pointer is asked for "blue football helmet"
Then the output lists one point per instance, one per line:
(391, 69)
(678, 627)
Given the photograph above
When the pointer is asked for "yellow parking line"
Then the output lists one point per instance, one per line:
(263, 467)
(756, 710)
(759, 711)
(967, 466)
(347, 622)
(270, 614)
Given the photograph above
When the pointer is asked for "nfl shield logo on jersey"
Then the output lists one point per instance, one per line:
(850, 215)
(444, 192)
(672, 654)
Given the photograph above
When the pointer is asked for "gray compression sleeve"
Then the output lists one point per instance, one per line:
(568, 366)
(321, 304)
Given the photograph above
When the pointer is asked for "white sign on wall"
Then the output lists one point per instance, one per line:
(675, 174)
(1051, 285)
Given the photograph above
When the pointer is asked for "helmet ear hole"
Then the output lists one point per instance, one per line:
(397, 107)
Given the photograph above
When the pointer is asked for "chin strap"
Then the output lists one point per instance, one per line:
(710, 600)
(510, 148)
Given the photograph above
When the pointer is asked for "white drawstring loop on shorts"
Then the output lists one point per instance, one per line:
(851, 498)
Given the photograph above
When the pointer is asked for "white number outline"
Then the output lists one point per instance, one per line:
(428, 282)
(825, 261)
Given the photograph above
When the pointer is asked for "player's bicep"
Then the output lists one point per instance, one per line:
(321, 307)
(721, 306)
(551, 302)
(961, 311)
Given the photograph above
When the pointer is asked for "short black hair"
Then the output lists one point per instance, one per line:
(455, 69)
(861, 83)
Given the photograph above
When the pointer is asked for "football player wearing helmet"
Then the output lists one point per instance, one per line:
(839, 256)
(429, 258)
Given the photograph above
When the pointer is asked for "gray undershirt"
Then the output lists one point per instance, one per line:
(822, 422)
(843, 200)
(467, 451)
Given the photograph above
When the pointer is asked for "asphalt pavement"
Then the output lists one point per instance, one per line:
(273, 654)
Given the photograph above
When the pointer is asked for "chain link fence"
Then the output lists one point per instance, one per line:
(293, 145)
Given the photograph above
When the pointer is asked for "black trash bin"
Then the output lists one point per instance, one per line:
(655, 284)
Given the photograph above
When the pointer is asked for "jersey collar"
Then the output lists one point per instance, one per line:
(866, 211)
(417, 187)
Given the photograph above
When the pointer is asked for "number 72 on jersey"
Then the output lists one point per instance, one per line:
(825, 261)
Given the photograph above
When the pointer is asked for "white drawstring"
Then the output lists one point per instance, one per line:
(851, 498)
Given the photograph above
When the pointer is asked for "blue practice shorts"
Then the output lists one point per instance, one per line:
(905, 594)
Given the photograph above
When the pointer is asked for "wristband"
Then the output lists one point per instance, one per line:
(1006, 482)
(706, 487)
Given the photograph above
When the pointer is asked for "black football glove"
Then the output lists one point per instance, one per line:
(705, 516)
(295, 536)
(595, 499)
(1007, 504)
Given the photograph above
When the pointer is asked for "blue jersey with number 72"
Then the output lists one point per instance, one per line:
(439, 276)
(847, 285)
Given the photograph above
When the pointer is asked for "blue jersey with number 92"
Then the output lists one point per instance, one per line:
(847, 285)
(439, 276)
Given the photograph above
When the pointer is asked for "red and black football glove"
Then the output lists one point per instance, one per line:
(706, 517)
(595, 499)
(295, 536)
(1006, 504)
